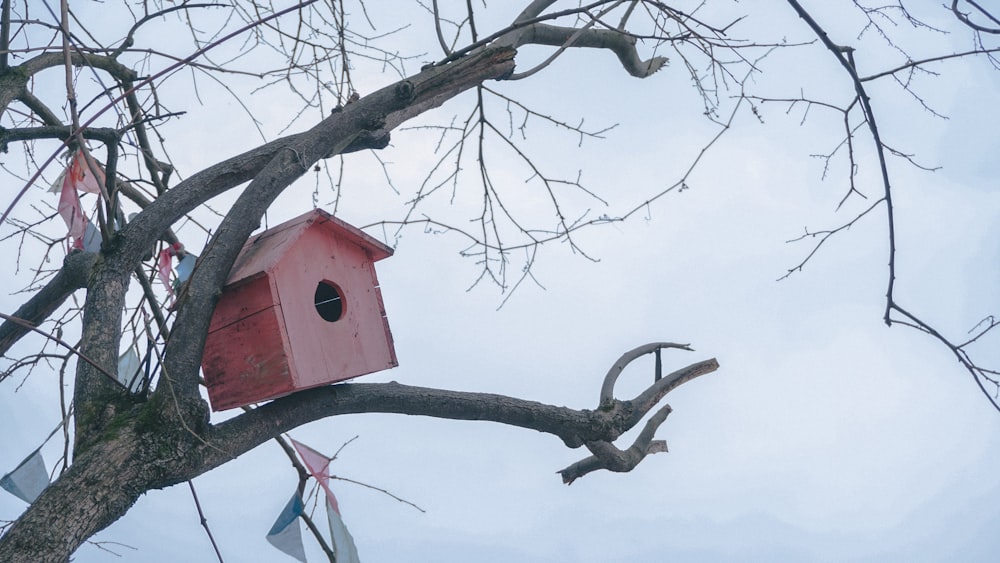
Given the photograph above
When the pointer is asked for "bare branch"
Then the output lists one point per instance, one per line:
(845, 56)
(622, 45)
(73, 276)
(607, 456)
(608, 387)
(5, 35)
(574, 427)
(129, 39)
(55, 338)
(913, 64)
(964, 18)
(979, 375)
(533, 10)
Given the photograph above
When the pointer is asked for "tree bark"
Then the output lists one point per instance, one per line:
(73, 276)
(140, 450)
(100, 486)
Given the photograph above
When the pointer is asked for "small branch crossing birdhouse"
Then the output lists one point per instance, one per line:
(301, 308)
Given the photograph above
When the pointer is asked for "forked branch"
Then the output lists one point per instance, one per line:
(621, 44)
(966, 19)
(608, 456)
(595, 429)
(608, 387)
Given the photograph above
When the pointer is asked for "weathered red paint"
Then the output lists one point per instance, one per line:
(267, 339)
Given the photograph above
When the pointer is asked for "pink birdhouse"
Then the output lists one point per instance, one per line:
(301, 308)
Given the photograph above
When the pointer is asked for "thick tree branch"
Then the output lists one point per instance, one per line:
(46, 115)
(533, 10)
(607, 456)
(5, 35)
(73, 276)
(97, 401)
(621, 44)
(246, 431)
(14, 80)
(105, 135)
(531, 17)
(964, 18)
(574, 427)
(646, 400)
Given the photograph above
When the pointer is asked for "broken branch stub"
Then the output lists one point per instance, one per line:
(628, 413)
(608, 387)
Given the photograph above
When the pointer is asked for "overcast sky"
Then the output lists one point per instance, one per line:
(824, 436)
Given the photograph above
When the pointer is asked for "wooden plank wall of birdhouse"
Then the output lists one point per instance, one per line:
(356, 344)
(393, 362)
(245, 359)
(242, 300)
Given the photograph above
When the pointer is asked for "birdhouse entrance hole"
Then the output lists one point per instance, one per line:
(329, 301)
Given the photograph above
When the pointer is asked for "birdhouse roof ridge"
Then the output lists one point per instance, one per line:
(263, 251)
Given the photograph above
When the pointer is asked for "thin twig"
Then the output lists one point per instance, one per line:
(204, 521)
(28, 325)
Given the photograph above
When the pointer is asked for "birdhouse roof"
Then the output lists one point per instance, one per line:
(263, 251)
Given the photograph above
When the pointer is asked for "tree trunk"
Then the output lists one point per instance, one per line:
(98, 489)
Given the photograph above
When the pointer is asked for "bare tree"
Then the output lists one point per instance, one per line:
(113, 103)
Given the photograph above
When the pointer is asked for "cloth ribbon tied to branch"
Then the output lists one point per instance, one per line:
(82, 174)
(285, 534)
(185, 267)
(319, 466)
